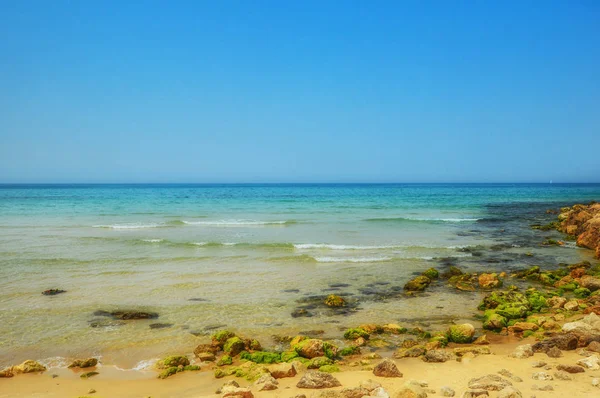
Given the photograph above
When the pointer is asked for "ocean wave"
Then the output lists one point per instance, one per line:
(352, 259)
(238, 223)
(302, 246)
(152, 240)
(130, 226)
(415, 219)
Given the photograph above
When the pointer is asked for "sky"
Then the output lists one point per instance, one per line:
(299, 91)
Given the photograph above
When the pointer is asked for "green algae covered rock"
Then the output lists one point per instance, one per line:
(288, 356)
(417, 284)
(173, 361)
(317, 362)
(334, 300)
(431, 273)
(87, 375)
(351, 350)
(353, 334)
(462, 334)
(494, 321)
(582, 292)
(312, 348)
(219, 338)
(261, 357)
(234, 346)
(329, 368)
(225, 360)
(536, 300)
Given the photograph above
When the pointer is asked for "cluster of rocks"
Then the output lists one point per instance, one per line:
(582, 222)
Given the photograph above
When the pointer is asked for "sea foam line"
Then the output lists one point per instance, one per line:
(236, 223)
(351, 259)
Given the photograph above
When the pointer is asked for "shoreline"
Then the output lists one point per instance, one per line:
(530, 306)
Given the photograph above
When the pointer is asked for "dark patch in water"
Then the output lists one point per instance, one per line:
(198, 299)
(336, 285)
(214, 327)
(160, 325)
(291, 291)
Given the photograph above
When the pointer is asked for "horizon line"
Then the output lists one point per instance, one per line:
(295, 183)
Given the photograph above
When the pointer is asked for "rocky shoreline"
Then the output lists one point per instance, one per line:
(553, 310)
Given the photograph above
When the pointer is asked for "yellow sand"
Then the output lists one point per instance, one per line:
(115, 383)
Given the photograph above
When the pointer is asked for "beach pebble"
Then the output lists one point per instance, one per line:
(554, 352)
(379, 392)
(230, 383)
(411, 389)
(369, 385)
(490, 382)
(571, 368)
(475, 393)
(562, 375)
(592, 362)
(509, 392)
(387, 368)
(538, 364)
(91, 391)
(542, 376)
(596, 382)
(522, 351)
(547, 387)
(266, 383)
(446, 391)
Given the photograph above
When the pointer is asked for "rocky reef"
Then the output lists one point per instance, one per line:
(582, 222)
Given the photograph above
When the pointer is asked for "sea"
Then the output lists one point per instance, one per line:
(257, 259)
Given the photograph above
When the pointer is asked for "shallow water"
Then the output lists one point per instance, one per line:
(245, 256)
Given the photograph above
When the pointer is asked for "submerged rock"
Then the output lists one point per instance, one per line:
(127, 315)
(417, 284)
(334, 301)
(53, 292)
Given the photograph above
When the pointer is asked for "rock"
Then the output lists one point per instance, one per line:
(437, 356)
(506, 373)
(202, 348)
(417, 284)
(446, 391)
(87, 375)
(490, 382)
(301, 312)
(411, 389)
(547, 387)
(594, 346)
(386, 368)
(481, 340)
(84, 363)
(312, 348)
(509, 392)
(462, 334)
(554, 352)
(557, 302)
(91, 391)
(354, 392)
(28, 366)
(475, 393)
(592, 362)
(53, 292)
(232, 391)
(334, 301)
(233, 346)
(315, 379)
(173, 361)
(230, 383)
(571, 368)
(565, 342)
(460, 351)
(590, 282)
(541, 376)
(379, 392)
(369, 384)
(412, 352)
(282, 370)
(495, 322)
(596, 382)
(522, 351)
(393, 328)
(572, 305)
(128, 315)
(562, 375)
(206, 356)
(538, 364)
(266, 383)
(6, 372)
(520, 327)
(489, 281)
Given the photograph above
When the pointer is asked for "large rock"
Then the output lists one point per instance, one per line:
(386, 368)
(584, 222)
(489, 281)
(354, 392)
(316, 380)
(282, 370)
(234, 346)
(490, 382)
(28, 366)
(417, 284)
(462, 334)
(591, 362)
(509, 392)
(570, 368)
(312, 348)
(565, 342)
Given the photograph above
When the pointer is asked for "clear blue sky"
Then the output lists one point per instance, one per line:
(308, 91)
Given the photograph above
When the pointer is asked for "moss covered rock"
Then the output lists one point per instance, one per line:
(334, 300)
(219, 338)
(234, 346)
(494, 321)
(317, 362)
(172, 361)
(461, 334)
(352, 350)
(312, 348)
(417, 284)
(329, 368)
(353, 334)
(489, 281)
(431, 273)
(225, 360)
(261, 357)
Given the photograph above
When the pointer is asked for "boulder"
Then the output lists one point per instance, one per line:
(233, 346)
(571, 305)
(312, 348)
(334, 301)
(460, 351)
(227, 384)
(557, 302)
(541, 376)
(417, 284)
(386, 368)
(489, 382)
(354, 392)
(315, 380)
(489, 281)
(562, 375)
(565, 342)
(8, 372)
(570, 368)
(554, 352)
(591, 362)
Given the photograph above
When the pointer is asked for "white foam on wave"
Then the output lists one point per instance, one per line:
(302, 246)
(129, 226)
(447, 219)
(351, 259)
(54, 362)
(235, 223)
(153, 240)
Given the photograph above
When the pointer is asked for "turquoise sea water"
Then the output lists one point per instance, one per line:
(246, 256)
